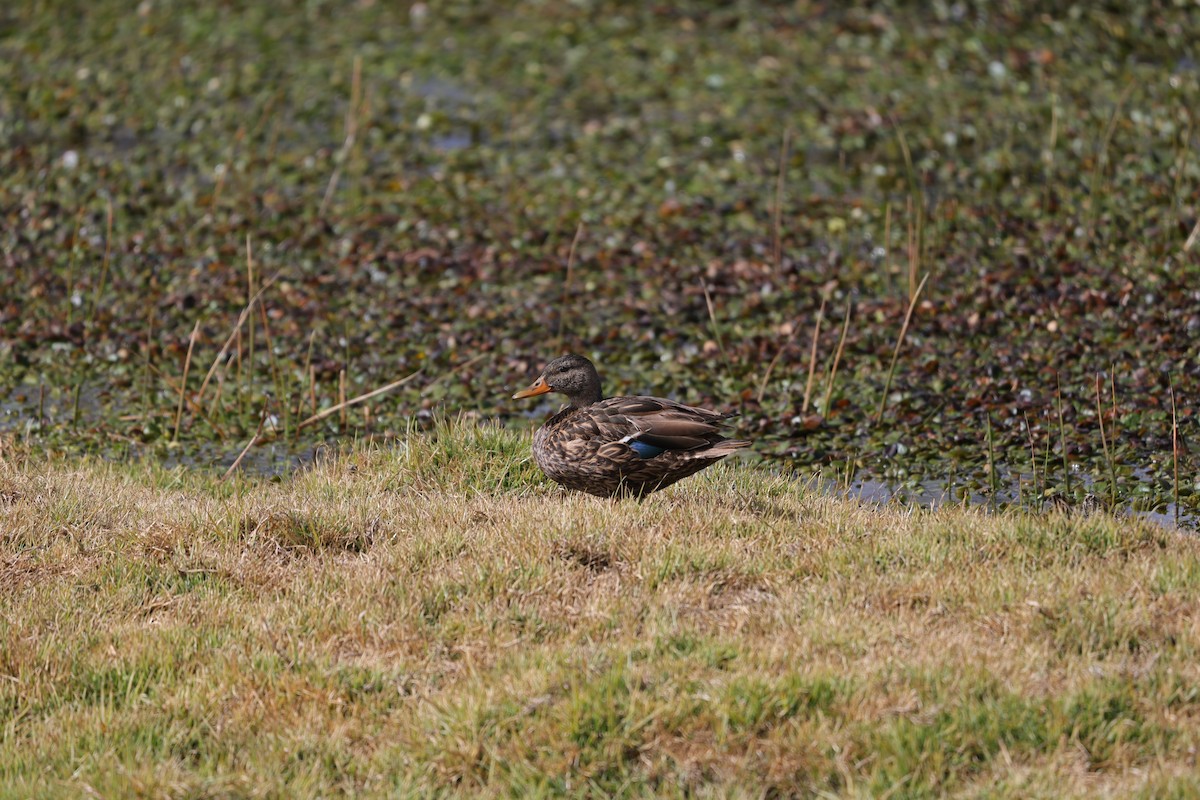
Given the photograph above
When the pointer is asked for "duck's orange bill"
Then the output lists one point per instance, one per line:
(537, 387)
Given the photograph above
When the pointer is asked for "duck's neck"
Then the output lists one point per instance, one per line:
(584, 400)
(587, 393)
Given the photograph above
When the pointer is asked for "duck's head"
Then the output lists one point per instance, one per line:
(571, 375)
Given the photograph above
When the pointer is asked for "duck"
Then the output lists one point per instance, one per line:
(621, 446)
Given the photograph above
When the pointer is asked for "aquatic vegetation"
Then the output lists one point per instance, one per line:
(317, 203)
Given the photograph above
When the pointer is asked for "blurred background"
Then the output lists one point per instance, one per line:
(940, 250)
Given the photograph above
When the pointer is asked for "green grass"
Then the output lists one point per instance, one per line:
(434, 618)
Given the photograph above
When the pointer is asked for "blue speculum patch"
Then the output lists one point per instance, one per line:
(646, 450)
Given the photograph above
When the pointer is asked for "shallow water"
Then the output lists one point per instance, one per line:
(30, 413)
(934, 493)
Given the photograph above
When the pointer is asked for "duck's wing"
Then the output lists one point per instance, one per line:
(652, 425)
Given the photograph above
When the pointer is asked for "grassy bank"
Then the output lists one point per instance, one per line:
(432, 617)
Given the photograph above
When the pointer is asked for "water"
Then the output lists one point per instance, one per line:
(934, 493)
(277, 458)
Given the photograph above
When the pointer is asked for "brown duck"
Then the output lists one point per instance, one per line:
(622, 446)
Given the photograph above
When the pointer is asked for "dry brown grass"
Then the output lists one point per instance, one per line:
(434, 619)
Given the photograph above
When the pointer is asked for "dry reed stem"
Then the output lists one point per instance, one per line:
(915, 202)
(914, 249)
(712, 318)
(187, 363)
(1102, 155)
(237, 461)
(812, 357)
(235, 336)
(1037, 491)
(312, 389)
(344, 404)
(311, 374)
(1175, 450)
(777, 249)
(1048, 158)
(562, 306)
(887, 242)
(271, 358)
(1062, 433)
(341, 406)
(1192, 237)
(105, 262)
(351, 125)
(71, 260)
(762, 386)
(837, 358)
(1112, 385)
(450, 373)
(250, 328)
(887, 387)
(1112, 473)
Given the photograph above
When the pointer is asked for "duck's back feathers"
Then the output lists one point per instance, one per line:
(630, 445)
(659, 423)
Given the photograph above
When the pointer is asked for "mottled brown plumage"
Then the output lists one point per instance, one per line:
(622, 446)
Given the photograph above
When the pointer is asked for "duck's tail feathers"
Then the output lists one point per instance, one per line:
(721, 449)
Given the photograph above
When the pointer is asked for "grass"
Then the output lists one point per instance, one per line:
(432, 617)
